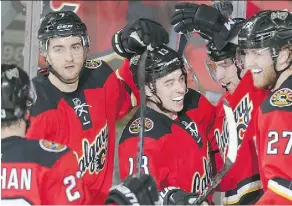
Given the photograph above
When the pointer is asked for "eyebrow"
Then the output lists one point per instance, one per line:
(169, 80)
(78, 43)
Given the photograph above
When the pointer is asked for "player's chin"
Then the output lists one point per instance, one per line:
(177, 108)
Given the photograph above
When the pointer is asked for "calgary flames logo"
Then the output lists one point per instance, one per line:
(282, 98)
(242, 116)
(201, 182)
(135, 125)
(94, 155)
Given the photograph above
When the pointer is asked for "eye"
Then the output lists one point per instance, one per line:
(76, 47)
(58, 50)
(169, 84)
(182, 78)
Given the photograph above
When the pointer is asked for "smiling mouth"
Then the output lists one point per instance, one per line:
(225, 85)
(256, 71)
(178, 99)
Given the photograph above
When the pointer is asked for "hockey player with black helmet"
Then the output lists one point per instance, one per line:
(30, 169)
(80, 100)
(241, 185)
(266, 40)
(177, 120)
(36, 172)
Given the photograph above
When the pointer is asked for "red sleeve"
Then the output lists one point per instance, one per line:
(48, 125)
(129, 93)
(209, 113)
(162, 168)
(63, 186)
(275, 154)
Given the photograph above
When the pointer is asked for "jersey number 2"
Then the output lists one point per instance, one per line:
(71, 181)
(274, 138)
(144, 165)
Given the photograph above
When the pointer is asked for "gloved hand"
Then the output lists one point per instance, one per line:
(134, 191)
(136, 36)
(176, 196)
(206, 20)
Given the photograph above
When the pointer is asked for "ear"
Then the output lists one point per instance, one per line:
(148, 91)
(283, 59)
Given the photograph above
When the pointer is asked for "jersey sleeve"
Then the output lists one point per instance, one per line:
(48, 125)
(154, 161)
(124, 91)
(63, 185)
(275, 149)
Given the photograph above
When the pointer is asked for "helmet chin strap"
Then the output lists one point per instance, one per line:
(71, 81)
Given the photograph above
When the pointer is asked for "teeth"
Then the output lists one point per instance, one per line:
(256, 71)
(178, 98)
(224, 85)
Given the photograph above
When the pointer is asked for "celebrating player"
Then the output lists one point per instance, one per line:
(266, 40)
(241, 185)
(36, 172)
(177, 120)
(79, 101)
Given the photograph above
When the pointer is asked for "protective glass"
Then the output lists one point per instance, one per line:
(213, 66)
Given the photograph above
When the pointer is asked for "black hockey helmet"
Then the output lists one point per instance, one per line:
(159, 63)
(267, 29)
(62, 24)
(17, 93)
(215, 55)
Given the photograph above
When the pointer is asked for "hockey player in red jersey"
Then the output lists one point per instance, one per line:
(241, 185)
(266, 40)
(177, 122)
(36, 172)
(33, 172)
(79, 101)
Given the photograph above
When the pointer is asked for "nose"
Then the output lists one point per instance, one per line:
(68, 56)
(181, 87)
(220, 73)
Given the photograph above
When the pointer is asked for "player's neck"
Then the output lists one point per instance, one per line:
(282, 78)
(61, 85)
(17, 129)
(171, 115)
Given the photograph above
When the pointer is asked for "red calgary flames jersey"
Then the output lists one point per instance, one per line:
(84, 120)
(274, 145)
(241, 184)
(40, 173)
(175, 151)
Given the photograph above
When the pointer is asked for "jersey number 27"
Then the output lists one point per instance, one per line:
(274, 138)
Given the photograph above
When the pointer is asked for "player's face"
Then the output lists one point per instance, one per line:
(261, 64)
(226, 74)
(171, 89)
(66, 55)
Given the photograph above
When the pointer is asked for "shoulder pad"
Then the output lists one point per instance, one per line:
(278, 100)
(156, 126)
(93, 63)
(191, 100)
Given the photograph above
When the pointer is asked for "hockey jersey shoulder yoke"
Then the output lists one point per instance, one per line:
(156, 126)
(279, 100)
(191, 100)
(48, 96)
(19, 150)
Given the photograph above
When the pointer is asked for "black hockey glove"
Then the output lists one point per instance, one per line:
(134, 190)
(176, 196)
(136, 36)
(191, 17)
